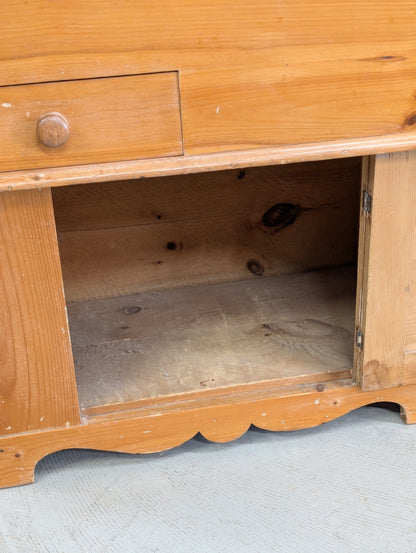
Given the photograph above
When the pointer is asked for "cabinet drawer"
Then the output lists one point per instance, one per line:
(89, 121)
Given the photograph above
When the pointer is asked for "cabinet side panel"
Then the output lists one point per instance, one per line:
(37, 383)
(387, 264)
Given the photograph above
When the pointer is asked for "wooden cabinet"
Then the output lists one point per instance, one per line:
(261, 273)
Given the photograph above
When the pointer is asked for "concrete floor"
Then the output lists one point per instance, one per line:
(348, 486)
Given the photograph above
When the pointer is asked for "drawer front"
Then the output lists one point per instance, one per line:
(89, 121)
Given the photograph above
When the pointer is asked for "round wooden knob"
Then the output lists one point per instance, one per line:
(52, 130)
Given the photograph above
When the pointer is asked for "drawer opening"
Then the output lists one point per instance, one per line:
(208, 283)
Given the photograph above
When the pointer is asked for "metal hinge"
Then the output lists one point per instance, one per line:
(359, 338)
(367, 202)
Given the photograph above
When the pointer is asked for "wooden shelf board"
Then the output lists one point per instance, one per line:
(161, 343)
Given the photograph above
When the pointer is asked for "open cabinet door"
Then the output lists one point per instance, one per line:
(385, 352)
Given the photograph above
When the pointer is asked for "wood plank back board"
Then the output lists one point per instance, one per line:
(126, 237)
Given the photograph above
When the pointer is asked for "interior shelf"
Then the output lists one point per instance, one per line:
(167, 342)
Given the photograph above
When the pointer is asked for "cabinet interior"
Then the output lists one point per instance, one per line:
(209, 282)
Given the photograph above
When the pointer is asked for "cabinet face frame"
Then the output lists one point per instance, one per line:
(385, 307)
(37, 381)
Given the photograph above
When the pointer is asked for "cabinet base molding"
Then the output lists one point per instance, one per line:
(153, 429)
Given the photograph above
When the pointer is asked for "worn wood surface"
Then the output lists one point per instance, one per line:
(408, 193)
(37, 384)
(219, 194)
(306, 96)
(233, 497)
(109, 120)
(265, 83)
(387, 265)
(124, 237)
(162, 428)
(214, 396)
(367, 180)
(191, 164)
(193, 339)
(251, 75)
(53, 130)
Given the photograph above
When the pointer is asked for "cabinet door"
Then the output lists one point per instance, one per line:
(386, 296)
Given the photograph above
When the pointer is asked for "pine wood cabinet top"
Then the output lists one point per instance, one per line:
(251, 76)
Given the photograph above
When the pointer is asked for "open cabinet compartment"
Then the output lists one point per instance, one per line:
(206, 283)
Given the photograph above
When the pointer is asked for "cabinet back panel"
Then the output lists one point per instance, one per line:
(121, 238)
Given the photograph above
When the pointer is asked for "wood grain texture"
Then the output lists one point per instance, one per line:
(410, 338)
(191, 164)
(157, 344)
(277, 104)
(259, 83)
(37, 384)
(109, 119)
(252, 76)
(213, 194)
(367, 179)
(53, 130)
(410, 285)
(127, 237)
(133, 27)
(409, 369)
(153, 430)
(387, 262)
(215, 396)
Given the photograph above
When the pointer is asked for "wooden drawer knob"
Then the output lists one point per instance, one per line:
(52, 130)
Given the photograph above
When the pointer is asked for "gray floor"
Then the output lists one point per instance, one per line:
(344, 487)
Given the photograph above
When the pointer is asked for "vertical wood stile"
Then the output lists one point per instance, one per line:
(37, 381)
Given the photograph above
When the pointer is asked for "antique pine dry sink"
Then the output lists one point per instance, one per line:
(264, 271)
